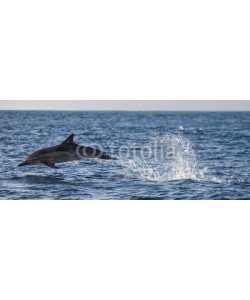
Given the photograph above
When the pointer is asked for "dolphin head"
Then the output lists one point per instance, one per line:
(28, 161)
(25, 163)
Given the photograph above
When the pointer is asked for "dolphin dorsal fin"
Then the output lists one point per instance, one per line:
(69, 139)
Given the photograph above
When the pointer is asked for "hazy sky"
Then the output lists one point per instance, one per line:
(207, 105)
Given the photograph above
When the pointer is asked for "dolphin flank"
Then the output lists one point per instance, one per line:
(64, 152)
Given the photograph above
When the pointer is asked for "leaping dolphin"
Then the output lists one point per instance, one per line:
(64, 152)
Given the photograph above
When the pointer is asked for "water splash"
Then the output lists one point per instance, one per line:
(172, 157)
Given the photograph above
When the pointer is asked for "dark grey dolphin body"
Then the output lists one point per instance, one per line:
(64, 152)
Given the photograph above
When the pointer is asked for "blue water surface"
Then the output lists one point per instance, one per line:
(161, 155)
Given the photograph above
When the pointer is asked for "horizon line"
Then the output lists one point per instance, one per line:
(126, 110)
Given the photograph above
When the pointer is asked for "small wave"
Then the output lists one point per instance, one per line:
(192, 129)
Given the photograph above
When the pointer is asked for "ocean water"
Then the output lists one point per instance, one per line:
(161, 155)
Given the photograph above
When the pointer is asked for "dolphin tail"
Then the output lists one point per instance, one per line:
(106, 156)
(114, 158)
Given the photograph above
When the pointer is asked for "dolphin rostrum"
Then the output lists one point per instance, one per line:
(64, 152)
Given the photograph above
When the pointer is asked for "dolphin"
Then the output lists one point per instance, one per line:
(64, 152)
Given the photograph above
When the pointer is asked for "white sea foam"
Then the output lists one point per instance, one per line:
(172, 158)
